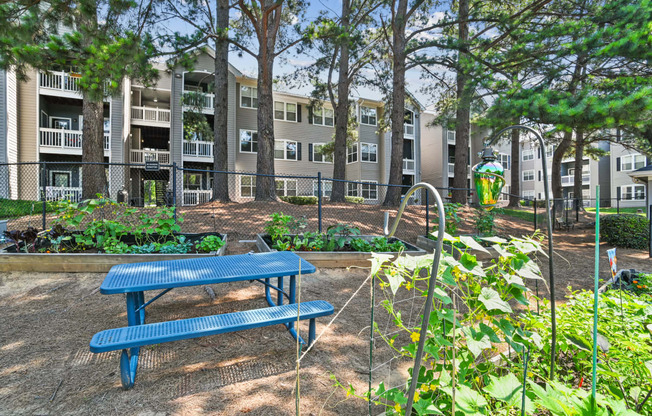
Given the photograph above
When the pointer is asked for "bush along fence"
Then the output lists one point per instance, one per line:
(30, 193)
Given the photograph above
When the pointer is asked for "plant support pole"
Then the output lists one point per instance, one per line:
(595, 293)
(427, 310)
(319, 200)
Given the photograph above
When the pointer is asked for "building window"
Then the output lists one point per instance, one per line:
(505, 160)
(248, 97)
(528, 154)
(528, 175)
(286, 187)
(633, 192)
(528, 195)
(550, 150)
(248, 141)
(352, 153)
(285, 149)
(285, 111)
(369, 190)
(318, 156)
(408, 127)
(326, 188)
(504, 195)
(247, 186)
(60, 179)
(368, 115)
(369, 152)
(323, 117)
(450, 135)
(351, 189)
(632, 162)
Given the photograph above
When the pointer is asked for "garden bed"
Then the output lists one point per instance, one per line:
(92, 262)
(343, 258)
(429, 245)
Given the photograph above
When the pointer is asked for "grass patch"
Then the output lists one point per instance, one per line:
(520, 214)
(10, 208)
(628, 210)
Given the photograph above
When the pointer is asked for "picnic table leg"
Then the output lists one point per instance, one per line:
(129, 359)
(293, 299)
(279, 284)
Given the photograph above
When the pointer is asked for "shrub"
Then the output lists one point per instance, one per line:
(354, 199)
(451, 218)
(300, 200)
(541, 203)
(484, 222)
(625, 230)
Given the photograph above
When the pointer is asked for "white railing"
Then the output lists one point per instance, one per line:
(58, 80)
(198, 148)
(56, 193)
(142, 156)
(408, 165)
(66, 139)
(568, 180)
(196, 196)
(151, 114)
(203, 100)
(451, 170)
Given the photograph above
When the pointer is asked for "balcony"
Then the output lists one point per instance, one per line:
(569, 180)
(150, 116)
(57, 193)
(59, 141)
(196, 196)
(60, 83)
(198, 151)
(149, 155)
(204, 101)
(409, 166)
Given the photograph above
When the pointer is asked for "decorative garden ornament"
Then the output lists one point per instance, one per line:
(489, 179)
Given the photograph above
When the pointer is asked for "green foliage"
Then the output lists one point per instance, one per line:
(484, 222)
(12, 208)
(195, 123)
(451, 218)
(354, 199)
(180, 246)
(281, 224)
(625, 230)
(27, 236)
(300, 200)
(210, 243)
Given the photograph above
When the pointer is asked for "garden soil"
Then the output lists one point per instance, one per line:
(47, 320)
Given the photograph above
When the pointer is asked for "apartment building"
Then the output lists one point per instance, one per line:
(621, 186)
(147, 124)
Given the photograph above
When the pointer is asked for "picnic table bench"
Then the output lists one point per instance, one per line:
(136, 278)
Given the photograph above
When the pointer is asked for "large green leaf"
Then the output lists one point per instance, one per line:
(469, 401)
(472, 244)
(492, 301)
(395, 279)
(509, 390)
(476, 342)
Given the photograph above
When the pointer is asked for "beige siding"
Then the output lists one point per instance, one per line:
(434, 169)
(28, 138)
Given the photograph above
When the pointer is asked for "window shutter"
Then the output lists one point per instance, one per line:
(618, 190)
(539, 153)
(299, 151)
(298, 113)
(539, 176)
(509, 162)
(310, 152)
(310, 115)
(618, 169)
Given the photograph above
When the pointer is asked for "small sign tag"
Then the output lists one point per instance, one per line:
(152, 165)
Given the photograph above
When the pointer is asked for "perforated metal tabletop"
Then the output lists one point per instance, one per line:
(137, 277)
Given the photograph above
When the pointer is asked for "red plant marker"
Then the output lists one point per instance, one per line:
(581, 381)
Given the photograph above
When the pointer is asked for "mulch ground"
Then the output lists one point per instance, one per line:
(47, 320)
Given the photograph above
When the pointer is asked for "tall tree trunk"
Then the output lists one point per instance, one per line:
(265, 185)
(579, 155)
(93, 175)
(515, 171)
(341, 113)
(557, 157)
(393, 196)
(221, 91)
(463, 113)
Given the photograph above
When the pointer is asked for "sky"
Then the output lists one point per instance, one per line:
(247, 64)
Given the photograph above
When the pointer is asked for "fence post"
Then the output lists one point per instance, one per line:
(319, 201)
(44, 177)
(535, 214)
(618, 204)
(427, 214)
(650, 222)
(577, 210)
(566, 209)
(174, 189)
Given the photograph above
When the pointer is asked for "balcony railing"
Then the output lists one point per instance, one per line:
(56, 193)
(408, 165)
(204, 100)
(196, 196)
(61, 81)
(65, 139)
(569, 180)
(198, 148)
(142, 156)
(150, 114)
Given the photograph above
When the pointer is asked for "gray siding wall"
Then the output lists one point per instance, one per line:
(3, 120)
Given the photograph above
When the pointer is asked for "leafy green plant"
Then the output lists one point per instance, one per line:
(360, 244)
(210, 243)
(338, 235)
(27, 236)
(180, 246)
(451, 218)
(281, 224)
(625, 230)
(484, 222)
(300, 200)
(354, 199)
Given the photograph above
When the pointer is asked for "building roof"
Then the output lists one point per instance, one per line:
(643, 174)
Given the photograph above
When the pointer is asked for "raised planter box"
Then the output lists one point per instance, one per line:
(339, 258)
(428, 245)
(86, 262)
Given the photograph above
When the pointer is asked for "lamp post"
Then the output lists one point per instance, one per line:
(489, 181)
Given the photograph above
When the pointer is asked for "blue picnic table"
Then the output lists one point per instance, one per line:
(135, 279)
